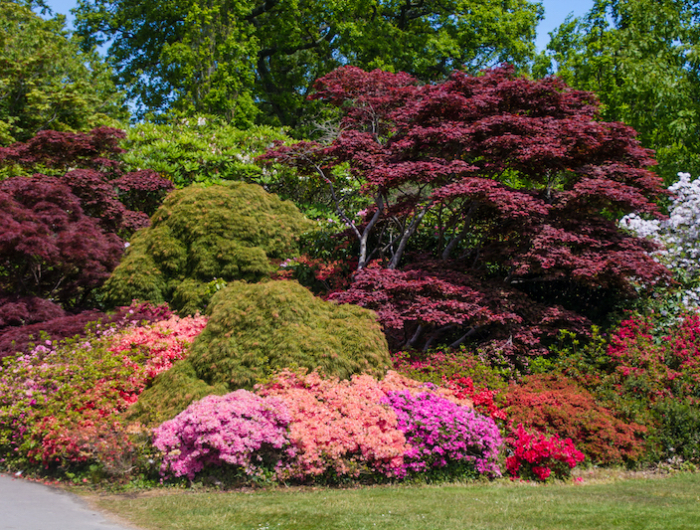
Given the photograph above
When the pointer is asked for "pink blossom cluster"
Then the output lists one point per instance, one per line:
(240, 429)
(309, 427)
(440, 432)
(165, 341)
(536, 455)
(339, 426)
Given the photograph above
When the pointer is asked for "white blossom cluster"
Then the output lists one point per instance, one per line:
(679, 235)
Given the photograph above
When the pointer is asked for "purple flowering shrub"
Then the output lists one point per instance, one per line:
(441, 433)
(239, 429)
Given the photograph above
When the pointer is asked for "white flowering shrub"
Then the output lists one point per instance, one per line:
(678, 236)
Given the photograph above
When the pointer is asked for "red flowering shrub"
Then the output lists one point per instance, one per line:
(557, 405)
(536, 456)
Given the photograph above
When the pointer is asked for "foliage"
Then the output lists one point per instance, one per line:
(256, 329)
(640, 57)
(556, 405)
(60, 403)
(47, 82)
(536, 456)
(55, 152)
(442, 434)
(227, 57)
(22, 336)
(238, 429)
(520, 183)
(201, 236)
(677, 439)
(50, 248)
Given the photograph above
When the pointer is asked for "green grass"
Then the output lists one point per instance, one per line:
(666, 503)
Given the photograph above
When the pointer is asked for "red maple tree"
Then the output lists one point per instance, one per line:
(522, 186)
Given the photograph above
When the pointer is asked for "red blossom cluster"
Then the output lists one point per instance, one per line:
(537, 456)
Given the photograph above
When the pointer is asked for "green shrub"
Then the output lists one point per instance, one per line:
(202, 235)
(255, 329)
(171, 393)
(678, 431)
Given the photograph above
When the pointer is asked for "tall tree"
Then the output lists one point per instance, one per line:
(520, 183)
(642, 59)
(220, 56)
(46, 82)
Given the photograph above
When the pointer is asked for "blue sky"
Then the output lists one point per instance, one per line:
(555, 12)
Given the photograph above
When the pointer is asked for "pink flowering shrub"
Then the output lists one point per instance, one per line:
(60, 403)
(339, 427)
(165, 342)
(238, 429)
(441, 433)
(536, 456)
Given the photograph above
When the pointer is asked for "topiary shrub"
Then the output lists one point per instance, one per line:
(202, 235)
(255, 329)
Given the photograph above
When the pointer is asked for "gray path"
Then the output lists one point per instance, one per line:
(27, 505)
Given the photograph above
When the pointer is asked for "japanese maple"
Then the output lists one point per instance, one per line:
(511, 181)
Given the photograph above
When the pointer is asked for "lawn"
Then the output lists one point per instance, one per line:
(670, 503)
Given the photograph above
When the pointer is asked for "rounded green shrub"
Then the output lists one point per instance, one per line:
(255, 329)
(201, 235)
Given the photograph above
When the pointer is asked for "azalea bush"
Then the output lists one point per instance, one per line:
(558, 406)
(60, 402)
(306, 428)
(239, 429)
(537, 456)
(442, 434)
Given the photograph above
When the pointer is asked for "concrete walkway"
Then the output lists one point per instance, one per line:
(28, 505)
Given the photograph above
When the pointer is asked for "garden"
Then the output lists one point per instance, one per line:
(398, 276)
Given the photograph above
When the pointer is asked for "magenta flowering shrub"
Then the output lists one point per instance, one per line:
(440, 432)
(238, 429)
(536, 456)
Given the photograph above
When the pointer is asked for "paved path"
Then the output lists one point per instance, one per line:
(28, 505)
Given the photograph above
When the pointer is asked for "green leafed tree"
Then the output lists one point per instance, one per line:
(47, 82)
(233, 57)
(642, 59)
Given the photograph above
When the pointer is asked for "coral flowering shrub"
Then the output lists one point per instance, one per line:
(239, 429)
(440, 432)
(340, 427)
(538, 456)
(165, 341)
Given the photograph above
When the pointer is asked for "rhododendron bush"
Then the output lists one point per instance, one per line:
(537, 456)
(363, 427)
(60, 402)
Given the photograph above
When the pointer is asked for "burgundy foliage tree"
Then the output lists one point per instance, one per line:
(62, 235)
(521, 187)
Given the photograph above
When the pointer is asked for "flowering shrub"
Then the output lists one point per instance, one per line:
(60, 403)
(239, 429)
(679, 236)
(556, 405)
(463, 372)
(440, 432)
(538, 456)
(340, 427)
